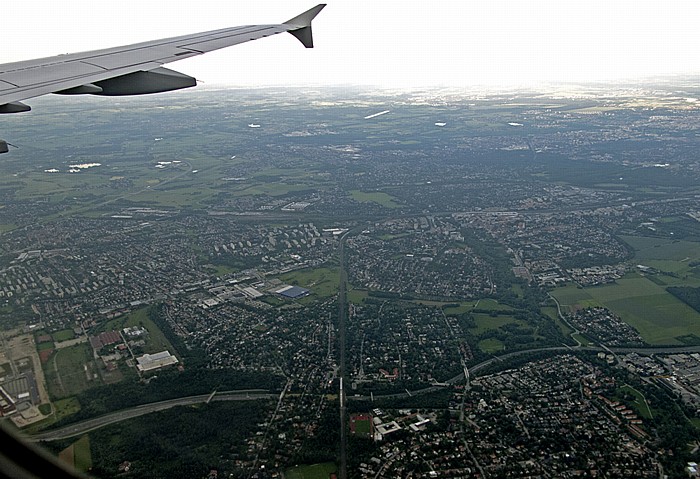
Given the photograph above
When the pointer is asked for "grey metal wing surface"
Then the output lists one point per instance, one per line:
(131, 69)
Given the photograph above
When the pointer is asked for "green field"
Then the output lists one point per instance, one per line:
(66, 373)
(639, 404)
(491, 345)
(63, 335)
(482, 304)
(641, 299)
(658, 315)
(646, 248)
(378, 197)
(484, 322)
(155, 342)
(315, 471)
(80, 452)
(357, 296)
(491, 305)
(323, 282)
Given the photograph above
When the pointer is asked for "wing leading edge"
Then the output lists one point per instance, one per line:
(131, 69)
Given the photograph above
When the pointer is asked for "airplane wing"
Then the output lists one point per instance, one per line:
(131, 69)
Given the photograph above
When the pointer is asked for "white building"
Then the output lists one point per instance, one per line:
(149, 362)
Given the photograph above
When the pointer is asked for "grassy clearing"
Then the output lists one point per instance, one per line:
(640, 403)
(66, 373)
(63, 335)
(491, 345)
(464, 307)
(65, 407)
(492, 305)
(485, 322)
(82, 459)
(646, 248)
(572, 295)
(581, 339)
(518, 290)
(323, 282)
(378, 197)
(315, 471)
(357, 296)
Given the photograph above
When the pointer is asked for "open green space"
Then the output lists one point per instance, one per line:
(82, 459)
(646, 248)
(155, 342)
(484, 322)
(379, 197)
(491, 345)
(464, 307)
(658, 315)
(63, 335)
(70, 371)
(357, 296)
(389, 237)
(269, 189)
(323, 282)
(492, 305)
(65, 407)
(488, 304)
(572, 296)
(44, 346)
(640, 404)
(315, 471)
(551, 312)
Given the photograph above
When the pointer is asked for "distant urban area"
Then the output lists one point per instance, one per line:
(356, 283)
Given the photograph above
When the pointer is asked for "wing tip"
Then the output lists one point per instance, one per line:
(300, 26)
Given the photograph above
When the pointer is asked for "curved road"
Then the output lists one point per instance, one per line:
(554, 349)
(117, 416)
(261, 394)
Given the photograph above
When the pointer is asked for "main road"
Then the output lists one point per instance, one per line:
(342, 327)
(475, 369)
(117, 416)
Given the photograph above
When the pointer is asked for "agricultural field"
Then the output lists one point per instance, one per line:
(658, 315)
(676, 254)
(640, 298)
(78, 455)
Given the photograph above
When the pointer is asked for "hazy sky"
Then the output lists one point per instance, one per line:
(383, 42)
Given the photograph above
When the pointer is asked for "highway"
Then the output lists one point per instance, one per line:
(342, 327)
(474, 370)
(117, 416)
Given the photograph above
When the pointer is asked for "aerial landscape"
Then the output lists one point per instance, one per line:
(355, 282)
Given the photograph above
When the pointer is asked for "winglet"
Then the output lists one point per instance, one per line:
(301, 25)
